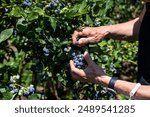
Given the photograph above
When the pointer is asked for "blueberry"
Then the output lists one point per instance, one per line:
(26, 93)
(42, 77)
(73, 54)
(46, 51)
(14, 90)
(65, 49)
(46, 54)
(78, 59)
(97, 94)
(27, 3)
(39, 68)
(11, 86)
(31, 89)
(15, 33)
(79, 67)
(57, 1)
(57, 11)
(80, 63)
(53, 4)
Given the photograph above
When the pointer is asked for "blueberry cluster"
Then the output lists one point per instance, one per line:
(54, 3)
(27, 3)
(13, 88)
(46, 51)
(16, 88)
(78, 59)
(29, 90)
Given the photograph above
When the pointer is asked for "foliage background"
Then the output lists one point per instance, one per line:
(26, 30)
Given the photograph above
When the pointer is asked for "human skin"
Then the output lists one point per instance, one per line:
(146, 0)
(93, 73)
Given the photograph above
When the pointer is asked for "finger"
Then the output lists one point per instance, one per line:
(88, 58)
(72, 66)
(76, 71)
(79, 33)
(75, 77)
(84, 41)
(75, 36)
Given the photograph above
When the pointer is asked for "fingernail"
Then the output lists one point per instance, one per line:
(86, 52)
(77, 43)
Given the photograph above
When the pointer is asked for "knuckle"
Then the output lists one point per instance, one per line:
(75, 32)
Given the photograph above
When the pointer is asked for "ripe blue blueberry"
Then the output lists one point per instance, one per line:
(45, 51)
(15, 33)
(13, 88)
(78, 59)
(42, 77)
(97, 94)
(27, 3)
(65, 49)
(31, 89)
(26, 93)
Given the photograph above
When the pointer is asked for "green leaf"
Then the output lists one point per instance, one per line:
(39, 11)
(33, 16)
(21, 24)
(82, 7)
(1, 66)
(2, 90)
(34, 97)
(17, 12)
(88, 20)
(53, 23)
(7, 95)
(5, 34)
(2, 52)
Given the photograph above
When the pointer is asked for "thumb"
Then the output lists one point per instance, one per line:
(88, 58)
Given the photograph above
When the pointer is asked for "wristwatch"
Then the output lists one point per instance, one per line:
(110, 87)
(112, 82)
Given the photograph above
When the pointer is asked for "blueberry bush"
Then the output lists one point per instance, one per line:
(36, 46)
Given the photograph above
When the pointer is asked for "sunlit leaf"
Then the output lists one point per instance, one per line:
(5, 34)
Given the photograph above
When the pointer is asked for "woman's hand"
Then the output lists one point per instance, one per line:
(87, 35)
(92, 73)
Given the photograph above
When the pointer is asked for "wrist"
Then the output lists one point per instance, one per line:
(104, 80)
(107, 31)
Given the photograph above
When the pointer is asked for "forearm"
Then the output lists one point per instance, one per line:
(125, 88)
(124, 31)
